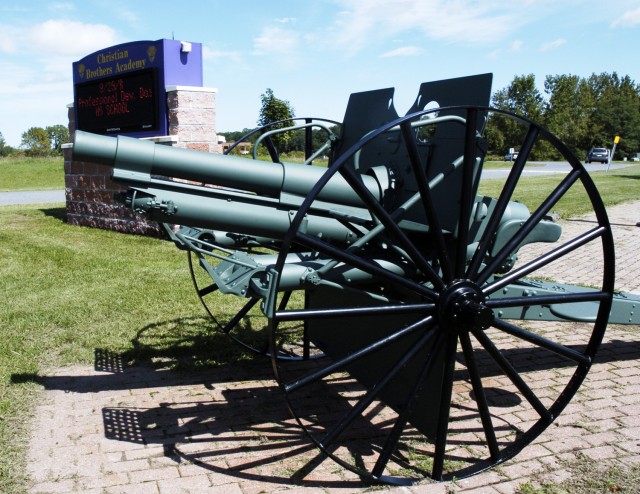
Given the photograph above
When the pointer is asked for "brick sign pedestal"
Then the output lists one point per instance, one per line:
(90, 191)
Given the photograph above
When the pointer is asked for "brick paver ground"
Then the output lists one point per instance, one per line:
(114, 429)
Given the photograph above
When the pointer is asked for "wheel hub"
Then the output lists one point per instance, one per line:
(461, 307)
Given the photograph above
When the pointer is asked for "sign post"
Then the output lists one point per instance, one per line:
(616, 140)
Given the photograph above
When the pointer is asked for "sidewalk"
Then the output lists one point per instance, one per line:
(31, 197)
(114, 429)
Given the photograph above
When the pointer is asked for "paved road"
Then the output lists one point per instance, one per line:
(537, 168)
(552, 167)
(31, 197)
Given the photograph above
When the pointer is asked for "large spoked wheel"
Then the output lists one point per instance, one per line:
(242, 319)
(471, 340)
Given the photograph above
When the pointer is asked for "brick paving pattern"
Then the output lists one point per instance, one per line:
(114, 429)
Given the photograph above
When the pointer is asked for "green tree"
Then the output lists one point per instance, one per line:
(275, 110)
(615, 111)
(36, 142)
(5, 150)
(495, 137)
(568, 110)
(521, 97)
(320, 136)
(233, 136)
(58, 135)
(524, 99)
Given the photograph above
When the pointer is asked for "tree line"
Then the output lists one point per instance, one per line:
(38, 142)
(581, 112)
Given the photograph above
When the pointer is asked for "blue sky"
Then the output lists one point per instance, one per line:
(311, 53)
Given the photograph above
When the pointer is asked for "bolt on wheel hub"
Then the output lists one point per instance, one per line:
(461, 307)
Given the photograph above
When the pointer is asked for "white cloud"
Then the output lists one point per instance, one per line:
(16, 9)
(40, 76)
(276, 41)
(20, 76)
(455, 21)
(404, 51)
(514, 47)
(233, 58)
(70, 38)
(9, 39)
(56, 38)
(553, 45)
(61, 6)
(32, 98)
(211, 54)
(630, 18)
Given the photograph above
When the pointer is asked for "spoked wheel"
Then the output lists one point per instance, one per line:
(242, 318)
(239, 318)
(456, 356)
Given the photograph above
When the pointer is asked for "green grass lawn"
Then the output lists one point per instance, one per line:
(31, 174)
(615, 187)
(68, 291)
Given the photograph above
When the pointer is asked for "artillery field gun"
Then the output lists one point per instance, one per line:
(411, 307)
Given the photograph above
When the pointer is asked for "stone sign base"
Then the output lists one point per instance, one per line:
(89, 189)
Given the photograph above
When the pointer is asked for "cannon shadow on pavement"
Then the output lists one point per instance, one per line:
(231, 418)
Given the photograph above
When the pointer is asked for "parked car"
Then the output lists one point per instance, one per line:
(634, 157)
(597, 154)
(511, 156)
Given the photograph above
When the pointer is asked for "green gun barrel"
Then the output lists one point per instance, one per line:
(134, 161)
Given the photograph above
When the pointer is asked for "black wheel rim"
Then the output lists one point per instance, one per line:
(450, 386)
(242, 319)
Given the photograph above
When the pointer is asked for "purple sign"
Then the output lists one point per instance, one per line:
(122, 89)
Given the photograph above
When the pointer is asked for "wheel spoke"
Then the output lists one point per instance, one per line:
(543, 260)
(445, 407)
(306, 338)
(284, 301)
(360, 263)
(529, 225)
(503, 201)
(200, 291)
(427, 200)
(467, 192)
(207, 290)
(481, 398)
(385, 218)
(350, 226)
(290, 387)
(540, 341)
(403, 417)
(559, 298)
(512, 374)
(241, 313)
(328, 313)
(375, 390)
(273, 151)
